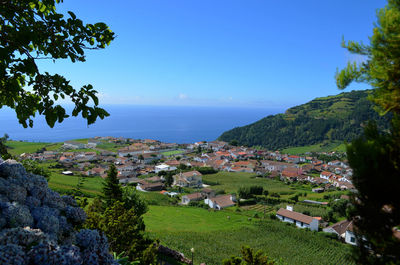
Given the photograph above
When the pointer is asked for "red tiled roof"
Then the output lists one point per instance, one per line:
(223, 200)
(295, 216)
(194, 196)
(341, 226)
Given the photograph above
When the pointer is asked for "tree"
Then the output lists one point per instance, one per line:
(375, 157)
(111, 188)
(31, 31)
(33, 167)
(3, 147)
(234, 143)
(132, 200)
(122, 223)
(169, 179)
(125, 231)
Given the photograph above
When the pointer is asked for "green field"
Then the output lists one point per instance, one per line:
(113, 147)
(18, 147)
(214, 236)
(326, 147)
(232, 181)
(170, 153)
(64, 184)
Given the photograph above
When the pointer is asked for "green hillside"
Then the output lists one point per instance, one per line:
(332, 118)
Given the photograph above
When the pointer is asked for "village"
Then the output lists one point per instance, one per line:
(175, 170)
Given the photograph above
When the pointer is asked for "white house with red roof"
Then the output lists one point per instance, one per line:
(299, 219)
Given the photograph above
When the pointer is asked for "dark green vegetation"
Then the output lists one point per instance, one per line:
(333, 118)
(375, 157)
(249, 257)
(33, 30)
(112, 190)
(120, 217)
(215, 237)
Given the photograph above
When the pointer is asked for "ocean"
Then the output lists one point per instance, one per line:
(175, 124)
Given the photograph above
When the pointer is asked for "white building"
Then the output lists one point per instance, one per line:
(350, 237)
(164, 167)
(220, 202)
(301, 220)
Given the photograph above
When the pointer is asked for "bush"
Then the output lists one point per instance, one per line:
(206, 170)
(274, 194)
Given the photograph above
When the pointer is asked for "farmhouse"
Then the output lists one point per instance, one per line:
(192, 197)
(339, 228)
(301, 220)
(220, 202)
(157, 186)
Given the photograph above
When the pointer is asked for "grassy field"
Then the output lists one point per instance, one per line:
(113, 147)
(170, 153)
(334, 146)
(214, 236)
(232, 181)
(65, 184)
(18, 147)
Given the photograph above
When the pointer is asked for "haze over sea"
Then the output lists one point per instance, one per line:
(176, 124)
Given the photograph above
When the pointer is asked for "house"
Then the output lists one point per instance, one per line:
(291, 173)
(220, 202)
(64, 159)
(274, 166)
(293, 159)
(92, 143)
(318, 190)
(326, 175)
(301, 220)
(191, 179)
(73, 145)
(163, 167)
(350, 237)
(207, 193)
(186, 199)
(339, 228)
(143, 186)
(97, 171)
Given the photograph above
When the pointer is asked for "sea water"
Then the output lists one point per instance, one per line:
(173, 124)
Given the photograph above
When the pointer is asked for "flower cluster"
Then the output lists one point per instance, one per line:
(37, 224)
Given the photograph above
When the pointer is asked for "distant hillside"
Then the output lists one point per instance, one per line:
(339, 117)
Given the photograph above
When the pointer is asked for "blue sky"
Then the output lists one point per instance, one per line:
(246, 53)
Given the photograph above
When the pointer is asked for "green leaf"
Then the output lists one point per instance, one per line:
(72, 14)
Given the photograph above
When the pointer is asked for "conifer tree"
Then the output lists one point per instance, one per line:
(112, 190)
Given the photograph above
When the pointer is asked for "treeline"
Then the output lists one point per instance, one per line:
(339, 117)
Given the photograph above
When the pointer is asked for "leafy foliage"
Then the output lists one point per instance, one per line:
(339, 117)
(33, 167)
(31, 31)
(119, 217)
(3, 147)
(124, 230)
